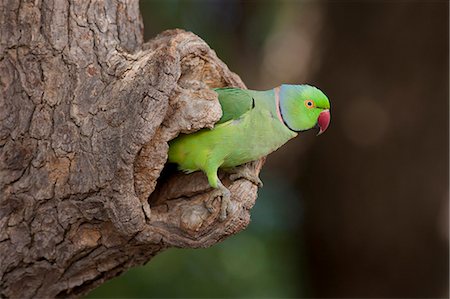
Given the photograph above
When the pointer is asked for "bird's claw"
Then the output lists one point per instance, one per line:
(224, 196)
(245, 173)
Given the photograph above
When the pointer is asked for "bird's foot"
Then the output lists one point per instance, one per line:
(224, 196)
(245, 173)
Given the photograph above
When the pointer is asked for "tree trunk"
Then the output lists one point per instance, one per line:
(86, 112)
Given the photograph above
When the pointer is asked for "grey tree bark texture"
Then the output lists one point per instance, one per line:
(86, 111)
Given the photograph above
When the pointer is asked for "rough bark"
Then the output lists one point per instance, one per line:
(86, 111)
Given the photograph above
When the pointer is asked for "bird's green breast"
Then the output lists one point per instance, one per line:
(250, 137)
(258, 134)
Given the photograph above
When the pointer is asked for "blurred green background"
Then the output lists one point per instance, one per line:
(361, 211)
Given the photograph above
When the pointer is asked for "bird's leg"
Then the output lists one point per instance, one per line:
(225, 203)
(245, 173)
(222, 192)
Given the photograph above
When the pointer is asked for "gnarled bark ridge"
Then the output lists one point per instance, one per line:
(86, 111)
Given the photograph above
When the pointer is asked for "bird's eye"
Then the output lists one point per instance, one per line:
(309, 103)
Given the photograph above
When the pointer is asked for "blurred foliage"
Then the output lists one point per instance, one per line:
(262, 261)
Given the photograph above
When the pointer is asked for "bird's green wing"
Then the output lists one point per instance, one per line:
(235, 102)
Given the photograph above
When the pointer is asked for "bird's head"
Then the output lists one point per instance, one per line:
(304, 107)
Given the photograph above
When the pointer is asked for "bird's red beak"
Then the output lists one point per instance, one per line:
(323, 121)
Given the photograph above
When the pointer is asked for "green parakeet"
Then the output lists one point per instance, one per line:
(253, 124)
